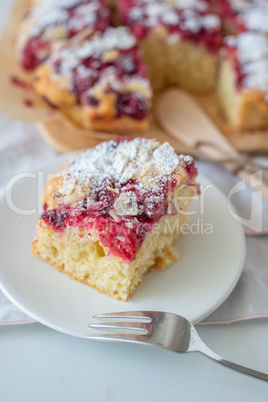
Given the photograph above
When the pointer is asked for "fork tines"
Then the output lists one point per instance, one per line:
(141, 327)
(143, 315)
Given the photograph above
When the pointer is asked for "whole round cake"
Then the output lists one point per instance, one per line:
(97, 61)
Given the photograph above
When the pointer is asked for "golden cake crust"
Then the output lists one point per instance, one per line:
(56, 92)
(90, 119)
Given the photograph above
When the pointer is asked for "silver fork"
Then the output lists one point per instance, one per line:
(163, 330)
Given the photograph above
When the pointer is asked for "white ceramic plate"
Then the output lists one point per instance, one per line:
(209, 267)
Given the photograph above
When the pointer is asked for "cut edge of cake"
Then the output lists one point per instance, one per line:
(242, 88)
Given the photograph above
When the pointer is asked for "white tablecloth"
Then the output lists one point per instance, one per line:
(22, 149)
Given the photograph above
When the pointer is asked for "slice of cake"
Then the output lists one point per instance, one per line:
(180, 40)
(50, 21)
(100, 83)
(112, 213)
(243, 80)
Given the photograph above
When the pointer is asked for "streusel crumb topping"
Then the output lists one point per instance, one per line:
(145, 161)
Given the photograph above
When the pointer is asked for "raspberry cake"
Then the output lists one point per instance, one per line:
(113, 212)
(243, 80)
(180, 41)
(99, 83)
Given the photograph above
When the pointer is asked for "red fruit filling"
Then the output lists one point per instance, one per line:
(130, 104)
(92, 70)
(20, 83)
(231, 53)
(211, 37)
(232, 20)
(30, 58)
(38, 49)
(122, 240)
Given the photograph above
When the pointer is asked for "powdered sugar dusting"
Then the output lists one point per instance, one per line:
(256, 74)
(166, 159)
(42, 17)
(252, 46)
(199, 5)
(252, 14)
(69, 58)
(113, 38)
(211, 21)
(252, 53)
(49, 13)
(194, 22)
(191, 15)
(171, 18)
(145, 161)
(84, 16)
(256, 18)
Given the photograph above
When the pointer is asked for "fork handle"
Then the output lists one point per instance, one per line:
(242, 369)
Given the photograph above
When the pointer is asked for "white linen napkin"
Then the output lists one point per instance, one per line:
(22, 149)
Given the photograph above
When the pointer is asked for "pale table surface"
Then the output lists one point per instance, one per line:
(39, 364)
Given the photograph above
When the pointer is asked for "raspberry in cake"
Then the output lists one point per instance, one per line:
(113, 212)
(100, 83)
(50, 21)
(243, 80)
